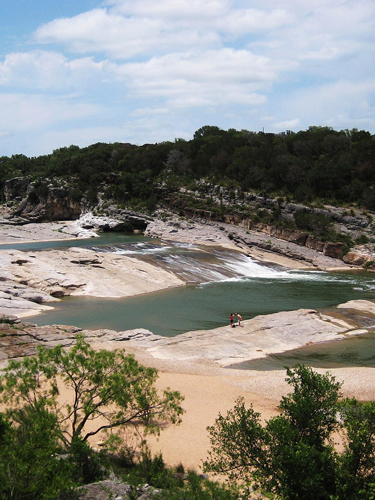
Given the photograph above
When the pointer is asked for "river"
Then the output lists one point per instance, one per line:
(220, 281)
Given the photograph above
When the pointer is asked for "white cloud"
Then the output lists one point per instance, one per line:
(323, 30)
(23, 112)
(119, 36)
(207, 78)
(45, 70)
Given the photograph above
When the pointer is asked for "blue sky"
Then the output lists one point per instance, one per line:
(145, 71)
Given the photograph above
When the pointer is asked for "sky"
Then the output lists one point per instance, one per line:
(146, 71)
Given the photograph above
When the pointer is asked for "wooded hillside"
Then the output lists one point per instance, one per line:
(337, 167)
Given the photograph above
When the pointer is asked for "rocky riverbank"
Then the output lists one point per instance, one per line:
(224, 346)
(28, 280)
(31, 281)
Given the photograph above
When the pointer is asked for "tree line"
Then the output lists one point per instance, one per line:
(317, 163)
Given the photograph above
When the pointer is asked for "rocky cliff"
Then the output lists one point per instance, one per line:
(38, 202)
(35, 201)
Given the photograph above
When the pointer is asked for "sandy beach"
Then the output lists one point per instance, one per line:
(210, 390)
(208, 387)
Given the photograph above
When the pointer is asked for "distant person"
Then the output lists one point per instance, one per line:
(231, 317)
(239, 319)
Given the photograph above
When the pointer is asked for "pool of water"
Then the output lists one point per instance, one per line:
(219, 282)
(107, 238)
(357, 351)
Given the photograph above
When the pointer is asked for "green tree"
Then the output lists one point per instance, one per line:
(29, 467)
(293, 455)
(107, 390)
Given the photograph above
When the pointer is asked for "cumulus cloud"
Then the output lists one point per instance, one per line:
(46, 70)
(130, 28)
(207, 78)
(28, 112)
(119, 36)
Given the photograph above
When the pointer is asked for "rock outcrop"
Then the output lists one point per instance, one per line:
(19, 339)
(353, 222)
(361, 256)
(42, 202)
(117, 220)
(111, 489)
(32, 201)
(27, 279)
(328, 248)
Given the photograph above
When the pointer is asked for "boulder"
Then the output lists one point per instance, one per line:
(333, 250)
(111, 489)
(298, 237)
(106, 490)
(314, 243)
(119, 220)
(361, 256)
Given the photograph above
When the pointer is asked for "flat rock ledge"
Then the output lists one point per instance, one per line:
(30, 281)
(224, 346)
(268, 248)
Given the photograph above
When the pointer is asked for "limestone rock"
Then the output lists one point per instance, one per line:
(112, 489)
(106, 490)
(47, 202)
(119, 220)
(314, 243)
(361, 256)
(333, 250)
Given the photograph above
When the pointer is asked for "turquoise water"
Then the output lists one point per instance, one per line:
(220, 282)
(201, 307)
(103, 239)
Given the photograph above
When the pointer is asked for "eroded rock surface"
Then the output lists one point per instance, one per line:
(191, 231)
(80, 271)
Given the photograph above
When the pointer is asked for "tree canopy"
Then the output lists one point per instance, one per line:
(315, 163)
(106, 390)
(293, 456)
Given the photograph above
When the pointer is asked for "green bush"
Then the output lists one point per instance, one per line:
(293, 455)
(85, 464)
(362, 240)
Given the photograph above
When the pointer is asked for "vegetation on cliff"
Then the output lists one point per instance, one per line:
(318, 163)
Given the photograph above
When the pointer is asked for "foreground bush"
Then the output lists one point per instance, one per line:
(44, 446)
(293, 456)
